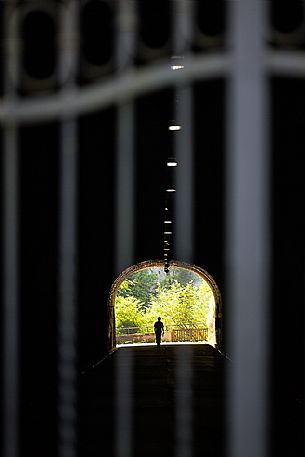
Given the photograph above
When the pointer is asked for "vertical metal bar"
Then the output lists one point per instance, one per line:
(11, 302)
(67, 305)
(124, 403)
(67, 318)
(69, 41)
(184, 211)
(184, 216)
(247, 232)
(183, 12)
(183, 402)
(10, 249)
(125, 212)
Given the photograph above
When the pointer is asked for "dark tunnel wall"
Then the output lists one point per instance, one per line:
(96, 230)
(39, 174)
(97, 198)
(288, 228)
(39, 206)
(38, 275)
(39, 177)
(38, 234)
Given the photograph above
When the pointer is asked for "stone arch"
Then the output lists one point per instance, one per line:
(111, 336)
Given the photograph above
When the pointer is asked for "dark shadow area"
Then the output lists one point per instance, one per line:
(288, 145)
(155, 394)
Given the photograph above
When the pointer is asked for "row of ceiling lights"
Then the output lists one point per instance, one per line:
(170, 189)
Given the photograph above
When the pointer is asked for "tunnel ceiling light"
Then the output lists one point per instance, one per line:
(168, 233)
(177, 67)
(167, 222)
(174, 127)
(171, 189)
(171, 162)
(177, 63)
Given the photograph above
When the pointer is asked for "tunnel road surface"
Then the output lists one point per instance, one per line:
(154, 401)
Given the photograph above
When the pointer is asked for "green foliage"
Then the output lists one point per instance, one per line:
(182, 276)
(180, 305)
(124, 289)
(127, 312)
(141, 285)
(181, 298)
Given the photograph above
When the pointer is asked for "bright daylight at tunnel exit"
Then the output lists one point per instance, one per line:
(183, 299)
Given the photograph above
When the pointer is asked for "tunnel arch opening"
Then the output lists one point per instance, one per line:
(125, 274)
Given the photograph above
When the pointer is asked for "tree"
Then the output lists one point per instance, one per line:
(181, 298)
(124, 289)
(182, 275)
(127, 312)
(141, 285)
(179, 305)
(204, 300)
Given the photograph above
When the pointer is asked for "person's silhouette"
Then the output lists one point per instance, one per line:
(159, 330)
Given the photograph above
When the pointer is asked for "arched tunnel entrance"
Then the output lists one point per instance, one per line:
(203, 274)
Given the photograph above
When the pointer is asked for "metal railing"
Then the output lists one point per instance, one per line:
(190, 334)
(167, 327)
(172, 333)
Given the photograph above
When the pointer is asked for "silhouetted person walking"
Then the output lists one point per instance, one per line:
(159, 330)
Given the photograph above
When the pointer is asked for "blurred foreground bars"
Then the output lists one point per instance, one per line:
(246, 65)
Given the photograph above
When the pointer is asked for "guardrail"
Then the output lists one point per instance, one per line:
(149, 328)
(132, 335)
